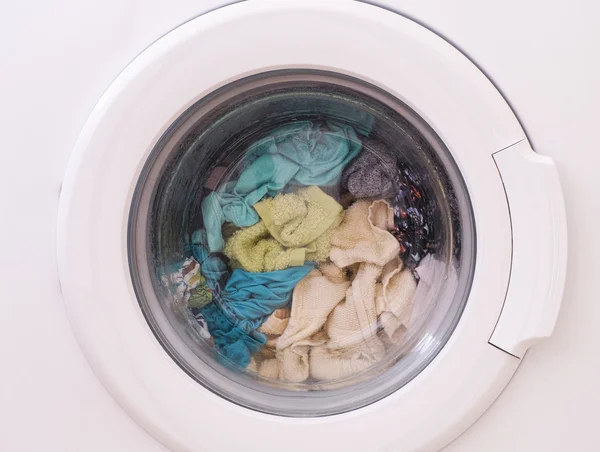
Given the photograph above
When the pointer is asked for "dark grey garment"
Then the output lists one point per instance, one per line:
(371, 174)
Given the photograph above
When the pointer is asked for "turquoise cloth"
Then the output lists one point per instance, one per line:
(299, 152)
(240, 307)
(231, 341)
(212, 267)
(238, 310)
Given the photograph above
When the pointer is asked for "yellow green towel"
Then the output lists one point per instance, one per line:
(297, 219)
(294, 228)
(254, 250)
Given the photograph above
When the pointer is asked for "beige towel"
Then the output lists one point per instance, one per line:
(343, 319)
(313, 299)
(290, 364)
(373, 301)
(354, 321)
(275, 325)
(394, 303)
(269, 362)
(305, 349)
(331, 365)
(363, 235)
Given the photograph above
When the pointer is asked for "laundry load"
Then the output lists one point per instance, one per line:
(306, 264)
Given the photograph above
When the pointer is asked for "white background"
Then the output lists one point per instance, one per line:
(58, 58)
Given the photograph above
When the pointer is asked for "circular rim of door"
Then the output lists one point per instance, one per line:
(411, 63)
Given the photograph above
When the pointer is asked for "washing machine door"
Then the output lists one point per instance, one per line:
(476, 217)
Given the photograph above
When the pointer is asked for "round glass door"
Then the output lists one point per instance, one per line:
(301, 243)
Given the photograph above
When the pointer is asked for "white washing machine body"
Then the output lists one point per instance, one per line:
(125, 96)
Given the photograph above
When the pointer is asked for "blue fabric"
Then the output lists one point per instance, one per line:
(212, 267)
(241, 307)
(231, 341)
(299, 152)
(252, 297)
(244, 303)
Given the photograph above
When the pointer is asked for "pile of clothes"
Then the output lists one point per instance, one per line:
(304, 269)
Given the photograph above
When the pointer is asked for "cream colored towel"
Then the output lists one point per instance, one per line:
(363, 238)
(275, 325)
(378, 298)
(394, 303)
(313, 299)
(354, 321)
(331, 365)
(343, 319)
(380, 295)
(284, 364)
(363, 235)
(305, 348)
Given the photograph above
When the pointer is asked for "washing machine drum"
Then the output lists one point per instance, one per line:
(290, 211)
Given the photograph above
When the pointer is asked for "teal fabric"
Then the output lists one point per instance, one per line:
(233, 343)
(241, 307)
(300, 152)
(212, 267)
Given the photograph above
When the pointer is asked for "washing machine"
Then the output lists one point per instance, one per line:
(307, 225)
